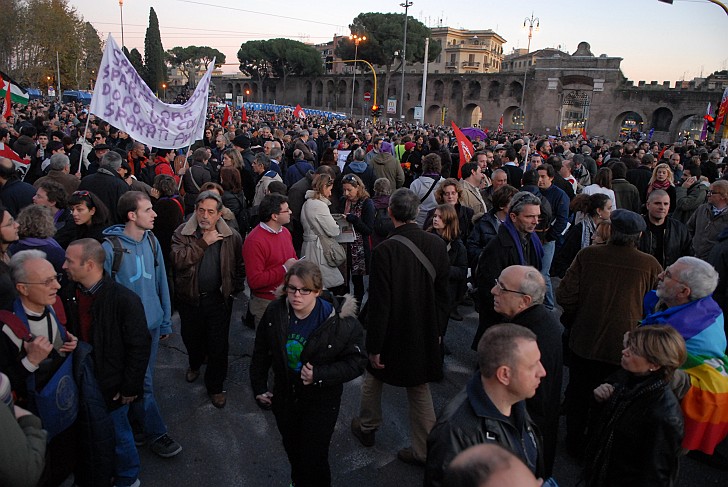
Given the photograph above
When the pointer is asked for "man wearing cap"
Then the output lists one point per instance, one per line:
(106, 183)
(601, 295)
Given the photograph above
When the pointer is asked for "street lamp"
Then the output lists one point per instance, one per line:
(164, 87)
(407, 4)
(356, 40)
(121, 13)
(531, 22)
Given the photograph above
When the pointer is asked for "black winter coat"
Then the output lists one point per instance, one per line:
(484, 231)
(676, 242)
(565, 254)
(408, 311)
(108, 187)
(718, 258)
(120, 339)
(335, 349)
(638, 446)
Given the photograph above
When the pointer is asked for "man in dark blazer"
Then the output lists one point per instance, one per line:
(408, 310)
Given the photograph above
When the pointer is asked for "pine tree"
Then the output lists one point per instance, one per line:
(155, 69)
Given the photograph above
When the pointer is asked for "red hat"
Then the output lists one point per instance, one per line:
(409, 145)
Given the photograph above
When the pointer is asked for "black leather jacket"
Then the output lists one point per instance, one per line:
(676, 242)
(471, 419)
(335, 349)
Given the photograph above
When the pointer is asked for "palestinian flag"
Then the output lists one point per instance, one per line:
(18, 94)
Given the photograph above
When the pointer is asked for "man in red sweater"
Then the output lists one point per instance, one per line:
(268, 253)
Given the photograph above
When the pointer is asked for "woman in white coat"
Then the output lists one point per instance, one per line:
(317, 221)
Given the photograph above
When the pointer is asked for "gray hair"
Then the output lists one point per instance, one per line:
(263, 160)
(382, 186)
(405, 205)
(59, 162)
(275, 152)
(534, 285)
(359, 154)
(18, 272)
(657, 193)
(111, 160)
(699, 276)
(521, 200)
(209, 195)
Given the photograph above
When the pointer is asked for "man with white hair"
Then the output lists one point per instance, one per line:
(683, 299)
(60, 167)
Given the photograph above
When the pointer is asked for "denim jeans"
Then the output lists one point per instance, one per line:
(549, 248)
(146, 411)
(127, 465)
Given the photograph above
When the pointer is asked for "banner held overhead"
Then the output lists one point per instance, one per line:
(124, 100)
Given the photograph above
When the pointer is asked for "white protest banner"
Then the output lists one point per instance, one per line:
(124, 100)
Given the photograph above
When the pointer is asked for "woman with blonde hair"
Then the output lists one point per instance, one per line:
(635, 440)
(318, 225)
(359, 210)
(663, 178)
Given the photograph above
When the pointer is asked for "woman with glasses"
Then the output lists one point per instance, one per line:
(445, 225)
(90, 218)
(359, 210)
(314, 346)
(361, 169)
(635, 439)
(318, 223)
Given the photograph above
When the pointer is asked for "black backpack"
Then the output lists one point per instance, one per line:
(383, 225)
(119, 252)
(147, 173)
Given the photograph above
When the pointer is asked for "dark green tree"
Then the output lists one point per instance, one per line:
(156, 71)
(385, 33)
(189, 60)
(254, 60)
(288, 57)
(135, 58)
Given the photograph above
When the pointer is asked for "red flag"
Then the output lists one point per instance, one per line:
(8, 109)
(583, 133)
(298, 112)
(722, 110)
(500, 125)
(226, 116)
(243, 115)
(465, 147)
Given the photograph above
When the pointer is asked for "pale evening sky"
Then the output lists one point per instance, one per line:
(657, 41)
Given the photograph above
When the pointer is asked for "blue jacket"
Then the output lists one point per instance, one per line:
(144, 274)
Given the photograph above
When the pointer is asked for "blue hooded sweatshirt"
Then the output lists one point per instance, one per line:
(139, 273)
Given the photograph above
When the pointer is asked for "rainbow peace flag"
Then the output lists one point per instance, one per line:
(705, 406)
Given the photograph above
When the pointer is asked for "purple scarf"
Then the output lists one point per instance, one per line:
(508, 223)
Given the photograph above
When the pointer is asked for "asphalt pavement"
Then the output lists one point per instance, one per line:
(240, 445)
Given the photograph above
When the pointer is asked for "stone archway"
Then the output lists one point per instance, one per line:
(456, 93)
(494, 90)
(330, 94)
(472, 115)
(662, 119)
(512, 118)
(690, 126)
(341, 99)
(319, 93)
(438, 90)
(309, 93)
(433, 114)
(515, 90)
(474, 90)
(411, 115)
(628, 121)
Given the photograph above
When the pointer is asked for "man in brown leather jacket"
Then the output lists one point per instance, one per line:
(208, 263)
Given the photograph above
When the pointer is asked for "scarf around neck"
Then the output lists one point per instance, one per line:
(508, 223)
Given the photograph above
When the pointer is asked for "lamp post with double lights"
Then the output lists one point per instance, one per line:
(407, 4)
(356, 39)
(531, 22)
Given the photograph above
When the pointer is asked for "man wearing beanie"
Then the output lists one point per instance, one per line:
(601, 295)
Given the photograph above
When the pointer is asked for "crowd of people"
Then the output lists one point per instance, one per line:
(354, 244)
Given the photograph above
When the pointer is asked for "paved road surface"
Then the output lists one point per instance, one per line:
(240, 445)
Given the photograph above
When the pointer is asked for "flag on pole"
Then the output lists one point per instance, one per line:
(465, 148)
(583, 133)
(649, 135)
(704, 131)
(500, 124)
(17, 92)
(558, 130)
(8, 107)
(298, 112)
(243, 115)
(226, 116)
(722, 110)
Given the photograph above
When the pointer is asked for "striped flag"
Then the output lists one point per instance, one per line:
(17, 92)
(8, 106)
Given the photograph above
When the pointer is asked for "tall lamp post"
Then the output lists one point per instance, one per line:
(164, 87)
(531, 22)
(121, 13)
(407, 4)
(356, 39)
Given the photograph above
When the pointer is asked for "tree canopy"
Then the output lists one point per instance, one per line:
(385, 33)
(32, 31)
(189, 59)
(156, 71)
(280, 58)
